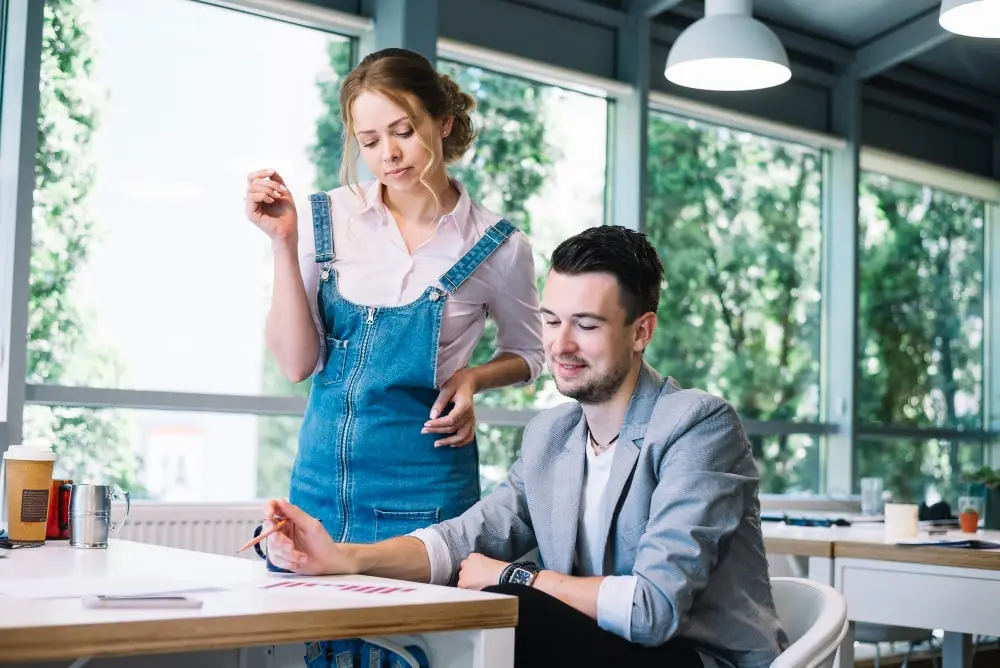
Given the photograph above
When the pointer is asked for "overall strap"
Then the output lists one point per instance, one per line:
(322, 227)
(468, 263)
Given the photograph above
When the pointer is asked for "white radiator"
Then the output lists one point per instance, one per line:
(203, 527)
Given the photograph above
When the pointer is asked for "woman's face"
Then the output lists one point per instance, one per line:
(389, 143)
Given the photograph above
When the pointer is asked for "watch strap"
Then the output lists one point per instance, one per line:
(529, 566)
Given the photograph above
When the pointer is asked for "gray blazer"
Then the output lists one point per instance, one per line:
(681, 509)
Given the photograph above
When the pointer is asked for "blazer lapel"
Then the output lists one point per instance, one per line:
(567, 487)
(640, 407)
(626, 453)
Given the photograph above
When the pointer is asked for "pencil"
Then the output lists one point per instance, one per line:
(263, 535)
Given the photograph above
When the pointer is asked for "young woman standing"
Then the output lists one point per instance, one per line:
(383, 297)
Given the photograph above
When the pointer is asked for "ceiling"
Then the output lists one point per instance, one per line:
(851, 23)
(852, 26)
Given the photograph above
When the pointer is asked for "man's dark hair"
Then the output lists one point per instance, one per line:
(625, 254)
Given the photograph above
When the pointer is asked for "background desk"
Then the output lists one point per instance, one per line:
(245, 627)
(952, 589)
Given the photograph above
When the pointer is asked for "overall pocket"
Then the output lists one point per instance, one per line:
(392, 523)
(334, 368)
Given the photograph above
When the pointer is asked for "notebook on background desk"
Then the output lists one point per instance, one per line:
(830, 519)
(819, 519)
(962, 543)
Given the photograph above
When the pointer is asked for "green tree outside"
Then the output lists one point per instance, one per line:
(921, 255)
(91, 444)
(736, 219)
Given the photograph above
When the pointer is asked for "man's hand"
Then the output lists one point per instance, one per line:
(302, 545)
(478, 571)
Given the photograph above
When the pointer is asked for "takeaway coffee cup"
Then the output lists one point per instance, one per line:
(27, 483)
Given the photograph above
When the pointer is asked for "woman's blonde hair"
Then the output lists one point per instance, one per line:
(393, 73)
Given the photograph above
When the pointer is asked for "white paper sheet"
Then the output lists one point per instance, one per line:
(340, 587)
(76, 587)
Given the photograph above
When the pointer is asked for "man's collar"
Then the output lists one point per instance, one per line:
(640, 407)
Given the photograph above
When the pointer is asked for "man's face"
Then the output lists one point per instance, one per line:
(588, 347)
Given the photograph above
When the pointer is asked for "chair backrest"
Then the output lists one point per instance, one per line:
(814, 617)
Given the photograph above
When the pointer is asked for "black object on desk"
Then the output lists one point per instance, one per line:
(964, 544)
(804, 521)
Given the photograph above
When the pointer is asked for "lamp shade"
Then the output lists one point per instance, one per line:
(973, 18)
(727, 52)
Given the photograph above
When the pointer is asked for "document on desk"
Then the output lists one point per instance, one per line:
(78, 587)
(345, 587)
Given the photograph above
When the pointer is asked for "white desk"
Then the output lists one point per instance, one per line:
(244, 625)
(924, 587)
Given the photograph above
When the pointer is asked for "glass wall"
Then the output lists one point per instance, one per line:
(540, 160)
(736, 218)
(146, 280)
(921, 349)
(145, 274)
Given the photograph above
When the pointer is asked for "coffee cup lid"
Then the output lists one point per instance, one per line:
(34, 453)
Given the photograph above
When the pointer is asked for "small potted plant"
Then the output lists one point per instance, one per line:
(989, 481)
(968, 514)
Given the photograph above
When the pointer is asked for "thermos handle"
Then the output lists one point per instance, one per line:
(120, 494)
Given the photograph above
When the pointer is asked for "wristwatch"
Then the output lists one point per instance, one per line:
(520, 572)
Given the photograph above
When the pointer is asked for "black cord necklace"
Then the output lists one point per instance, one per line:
(598, 448)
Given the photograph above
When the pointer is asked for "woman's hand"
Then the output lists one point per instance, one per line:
(302, 545)
(460, 422)
(269, 206)
(478, 571)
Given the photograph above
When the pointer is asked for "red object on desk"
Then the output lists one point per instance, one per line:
(58, 522)
(968, 521)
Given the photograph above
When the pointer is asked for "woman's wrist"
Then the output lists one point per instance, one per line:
(470, 376)
(287, 245)
(351, 559)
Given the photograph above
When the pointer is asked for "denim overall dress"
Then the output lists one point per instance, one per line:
(363, 468)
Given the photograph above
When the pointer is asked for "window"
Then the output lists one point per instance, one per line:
(787, 462)
(499, 448)
(919, 470)
(145, 273)
(540, 160)
(736, 218)
(171, 456)
(143, 256)
(920, 331)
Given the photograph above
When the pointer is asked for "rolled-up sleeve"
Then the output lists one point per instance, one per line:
(514, 307)
(707, 481)
(614, 604)
(437, 554)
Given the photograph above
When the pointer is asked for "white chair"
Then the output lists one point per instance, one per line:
(814, 617)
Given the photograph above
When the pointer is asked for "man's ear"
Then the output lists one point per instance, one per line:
(645, 325)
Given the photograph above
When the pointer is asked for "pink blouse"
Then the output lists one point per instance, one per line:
(374, 268)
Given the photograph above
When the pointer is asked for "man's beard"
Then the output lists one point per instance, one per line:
(599, 389)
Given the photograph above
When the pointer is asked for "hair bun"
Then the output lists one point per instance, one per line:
(462, 134)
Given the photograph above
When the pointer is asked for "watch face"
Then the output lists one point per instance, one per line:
(521, 576)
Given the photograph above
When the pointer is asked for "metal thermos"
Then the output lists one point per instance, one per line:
(90, 514)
